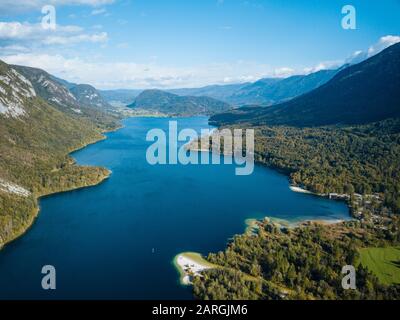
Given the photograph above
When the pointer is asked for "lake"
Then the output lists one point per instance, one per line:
(117, 240)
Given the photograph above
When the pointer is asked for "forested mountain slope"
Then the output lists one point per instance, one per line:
(171, 104)
(36, 137)
(362, 93)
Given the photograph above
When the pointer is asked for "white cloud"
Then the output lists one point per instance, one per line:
(62, 40)
(324, 65)
(284, 72)
(358, 56)
(13, 49)
(28, 33)
(382, 44)
(112, 75)
(16, 6)
(134, 75)
(96, 12)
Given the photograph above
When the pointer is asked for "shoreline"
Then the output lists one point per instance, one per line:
(300, 190)
(36, 211)
(190, 264)
(251, 226)
(191, 145)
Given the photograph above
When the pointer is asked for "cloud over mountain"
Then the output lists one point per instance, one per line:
(34, 34)
(20, 6)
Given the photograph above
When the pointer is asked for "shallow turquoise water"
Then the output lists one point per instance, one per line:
(117, 240)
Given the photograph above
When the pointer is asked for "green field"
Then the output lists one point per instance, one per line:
(384, 262)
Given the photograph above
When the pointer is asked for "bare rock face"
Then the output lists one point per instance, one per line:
(48, 88)
(15, 89)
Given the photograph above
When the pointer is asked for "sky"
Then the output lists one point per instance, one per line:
(190, 43)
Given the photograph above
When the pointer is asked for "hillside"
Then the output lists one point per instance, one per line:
(89, 96)
(300, 263)
(77, 100)
(49, 89)
(220, 92)
(171, 104)
(362, 93)
(272, 91)
(36, 138)
(264, 92)
(120, 97)
(85, 94)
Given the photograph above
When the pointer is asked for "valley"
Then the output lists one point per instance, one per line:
(334, 133)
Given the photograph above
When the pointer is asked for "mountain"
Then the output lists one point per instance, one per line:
(362, 93)
(15, 89)
(37, 134)
(89, 96)
(253, 93)
(85, 94)
(49, 88)
(270, 91)
(219, 92)
(81, 100)
(265, 91)
(65, 83)
(172, 104)
(120, 97)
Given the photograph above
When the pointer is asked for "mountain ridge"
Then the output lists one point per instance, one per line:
(71, 101)
(168, 103)
(36, 137)
(361, 93)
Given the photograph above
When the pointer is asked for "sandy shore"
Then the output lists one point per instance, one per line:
(300, 190)
(190, 264)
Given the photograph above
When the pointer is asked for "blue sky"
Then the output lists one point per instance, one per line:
(184, 43)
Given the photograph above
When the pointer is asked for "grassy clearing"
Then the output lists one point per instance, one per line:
(384, 262)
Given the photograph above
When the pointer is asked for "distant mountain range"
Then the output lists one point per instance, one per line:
(120, 97)
(172, 104)
(361, 93)
(264, 92)
(220, 92)
(270, 91)
(351, 94)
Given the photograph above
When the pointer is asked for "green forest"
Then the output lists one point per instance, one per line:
(305, 262)
(362, 159)
(34, 155)
(300, 263)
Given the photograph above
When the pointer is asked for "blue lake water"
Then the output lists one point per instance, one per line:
(117, 240)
